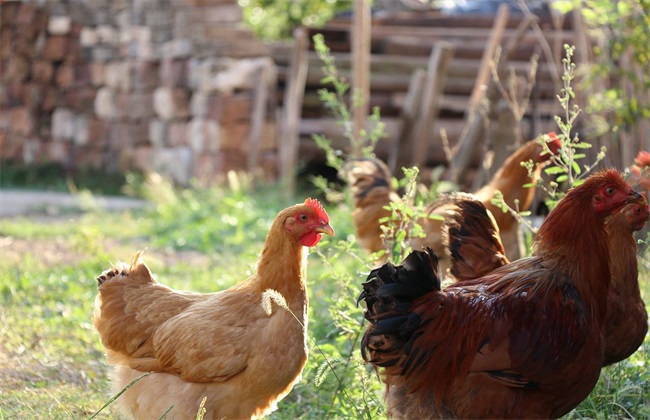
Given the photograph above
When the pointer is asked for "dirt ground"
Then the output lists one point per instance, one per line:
(56, 207)
(23, 202)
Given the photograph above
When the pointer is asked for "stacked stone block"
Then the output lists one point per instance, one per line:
(164, 85)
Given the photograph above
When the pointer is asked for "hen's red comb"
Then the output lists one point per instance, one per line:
(554, 142)
(318, 208)
(642, 159)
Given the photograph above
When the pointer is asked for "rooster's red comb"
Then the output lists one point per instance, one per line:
(318, 208)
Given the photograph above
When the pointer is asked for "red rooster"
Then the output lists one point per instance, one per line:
(523, 341)
(475, 249)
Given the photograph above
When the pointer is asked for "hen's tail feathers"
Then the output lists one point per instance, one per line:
(136, 270)
(474, 244)
(389, 293)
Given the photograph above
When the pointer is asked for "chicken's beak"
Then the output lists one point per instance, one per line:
(636, 197)
(327, 229)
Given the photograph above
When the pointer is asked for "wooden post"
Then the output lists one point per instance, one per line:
(289, 141)
(261, 94)
(439, 59)
(504, 131)
(496, 35)
(360, 68)
(401, 145)
(584, 58)
(470, 136)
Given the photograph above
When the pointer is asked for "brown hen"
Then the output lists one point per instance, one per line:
(641, 170)
(227, 347)
(370, 182)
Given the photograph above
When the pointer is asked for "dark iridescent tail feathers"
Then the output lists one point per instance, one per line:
(388, 294)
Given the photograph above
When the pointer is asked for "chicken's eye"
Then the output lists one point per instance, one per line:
(610, 191)
(303, 217)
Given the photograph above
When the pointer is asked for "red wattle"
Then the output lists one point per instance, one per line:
(310, 239)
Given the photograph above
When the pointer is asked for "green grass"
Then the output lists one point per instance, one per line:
(51, 361)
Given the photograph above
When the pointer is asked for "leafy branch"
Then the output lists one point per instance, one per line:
(335, 101)
(565, 164)
(403, 225)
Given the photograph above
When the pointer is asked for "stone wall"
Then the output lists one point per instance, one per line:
(165, 85)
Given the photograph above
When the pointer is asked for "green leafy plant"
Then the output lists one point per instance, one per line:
(565, 167)
(276, 19)
(402, 224)
(362, 142)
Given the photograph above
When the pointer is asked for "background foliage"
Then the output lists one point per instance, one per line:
(276, 19)
(617, 77)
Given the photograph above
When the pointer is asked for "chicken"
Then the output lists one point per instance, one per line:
(476, 250)
(640, 170)
(526, 340)
(640, 174)
(510, 180)
(627, 319)
(232, 347)
(472, 236)
(370, 182)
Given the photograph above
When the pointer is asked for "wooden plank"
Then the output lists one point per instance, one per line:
(583, 57)
(496, 35)
(386, 82)
(431, 98)
(432, 33)
(441, 19)
(398, 63)
(504, 130)
(400, 50)
(331, 128)
(289, 133)
(399, 68)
